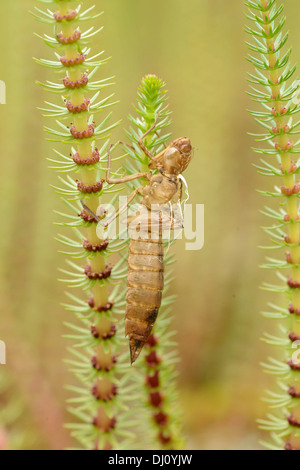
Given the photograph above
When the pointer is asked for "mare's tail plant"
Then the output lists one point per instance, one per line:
(97, 403)
(273, 89)
(160, 355)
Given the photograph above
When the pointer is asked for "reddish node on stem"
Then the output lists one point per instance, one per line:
(68, 83)
(75, 109)
(87, 217)
(293, 337)
(86, 161)
(294, 366)
(293, 392)
(94, 276)
(294, 310)
(99, 395)
(108, 426)
(95, 248)
(111, 333)
(95, 188)
(100, 308)
(161, 419)
(156, 399)
(293, 421)
(165, 440)
(288, 258)
(69, 16)
(69, 40)
(99, 367)
(152, 381)
(291, 308)
(152, 359)
(152, 341)
(70, 62)
(87, 133)
(104, 336)
(293, 284)
(104, 308)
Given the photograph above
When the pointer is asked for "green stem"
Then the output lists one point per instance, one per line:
(99, 404)
(292, 206)
(279, 100)
(103, 388)
(159, 370)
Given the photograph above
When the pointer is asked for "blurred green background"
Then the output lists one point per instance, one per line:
(197, 47)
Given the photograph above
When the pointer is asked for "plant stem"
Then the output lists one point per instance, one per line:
(269, 42)
(159, 361)
(101, 410)
(290, 186)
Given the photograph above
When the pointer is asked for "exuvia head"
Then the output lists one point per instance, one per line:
(177, 156)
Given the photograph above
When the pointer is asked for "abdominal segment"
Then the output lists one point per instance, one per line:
(144, 291)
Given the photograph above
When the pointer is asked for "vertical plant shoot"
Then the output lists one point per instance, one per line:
(98, 401)
(160, 351)
(271, 86)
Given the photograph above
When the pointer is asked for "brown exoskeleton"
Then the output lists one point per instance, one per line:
(146, 256)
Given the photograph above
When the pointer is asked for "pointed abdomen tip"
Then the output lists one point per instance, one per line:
(135, 347)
